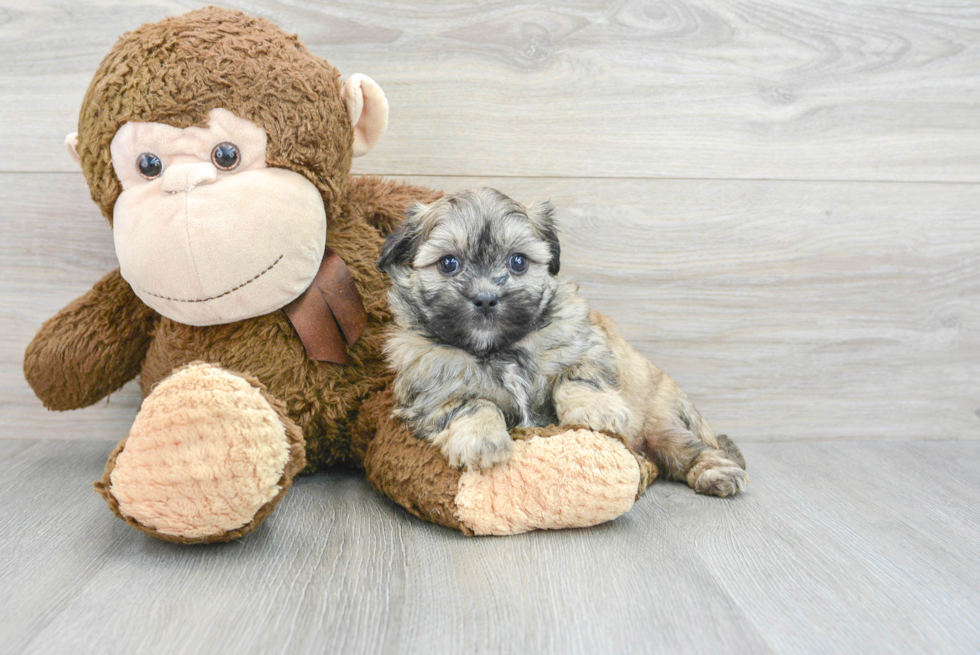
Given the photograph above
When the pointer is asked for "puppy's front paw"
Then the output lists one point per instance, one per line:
(477, 438)
(478, 449)
(602, 412)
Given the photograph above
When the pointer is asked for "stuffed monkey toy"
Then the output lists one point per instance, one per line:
(248, 302)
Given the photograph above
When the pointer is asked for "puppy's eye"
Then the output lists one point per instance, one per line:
(448, 265)
(226, 156)
(149, 165)
(517, 263)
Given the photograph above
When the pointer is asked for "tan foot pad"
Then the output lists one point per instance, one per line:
(571, 480)
(206, 452)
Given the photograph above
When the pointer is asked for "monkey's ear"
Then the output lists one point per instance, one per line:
(71, 145)
(400, 246)
(542, 220)
(367, 108)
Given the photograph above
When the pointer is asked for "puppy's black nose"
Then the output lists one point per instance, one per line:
(485, 301)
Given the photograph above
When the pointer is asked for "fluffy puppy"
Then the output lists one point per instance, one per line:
(489, 337)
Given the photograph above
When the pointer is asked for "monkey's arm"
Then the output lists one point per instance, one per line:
(384, 201)
(91, 347)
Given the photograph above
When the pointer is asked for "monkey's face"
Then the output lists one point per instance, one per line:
(477, 270)
(204, 230)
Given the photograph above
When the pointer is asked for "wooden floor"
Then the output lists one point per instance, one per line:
(778, 201)
(839, 547)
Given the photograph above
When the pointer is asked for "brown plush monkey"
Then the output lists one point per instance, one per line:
(248, 302)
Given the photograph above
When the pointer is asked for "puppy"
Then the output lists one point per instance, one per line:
(489, 337)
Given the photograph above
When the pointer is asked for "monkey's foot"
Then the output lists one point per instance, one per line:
(556, 478)
(573, 479)
(209, 456)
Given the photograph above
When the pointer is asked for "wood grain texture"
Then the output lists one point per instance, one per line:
(824, 553)
(801, 298)
(774, 89)
(836, 540)
(787, 310)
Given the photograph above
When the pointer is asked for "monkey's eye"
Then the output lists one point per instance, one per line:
(149, 165)
(517, 263)
(225, 156)
(448, 265)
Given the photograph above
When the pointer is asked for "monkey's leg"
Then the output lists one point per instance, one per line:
(209, 456)
(556, 477)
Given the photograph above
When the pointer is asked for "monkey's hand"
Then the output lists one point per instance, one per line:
(476, 437)
(603, 411)
(91, 347)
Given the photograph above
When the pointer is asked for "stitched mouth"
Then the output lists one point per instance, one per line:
(220, 295)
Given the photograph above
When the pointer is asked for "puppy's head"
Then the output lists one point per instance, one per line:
(475, 270)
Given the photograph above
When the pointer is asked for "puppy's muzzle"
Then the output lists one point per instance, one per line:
(485, 302)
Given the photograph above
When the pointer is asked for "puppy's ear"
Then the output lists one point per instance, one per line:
(542, 220)
(400, 246)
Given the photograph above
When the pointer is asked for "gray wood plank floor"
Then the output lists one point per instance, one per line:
(837, 547)
(777, 200)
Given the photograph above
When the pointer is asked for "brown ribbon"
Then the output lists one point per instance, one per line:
(329, 313)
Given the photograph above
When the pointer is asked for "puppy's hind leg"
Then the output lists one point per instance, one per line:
(687, 450)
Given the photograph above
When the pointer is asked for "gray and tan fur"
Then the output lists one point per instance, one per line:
(481, 346)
